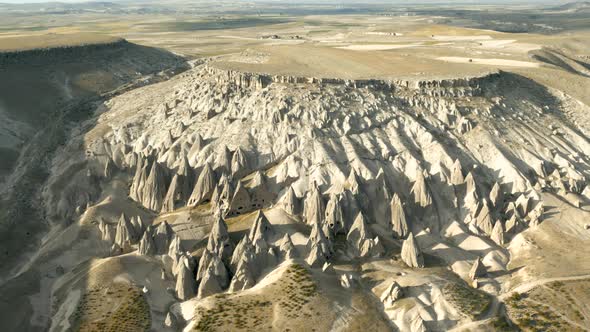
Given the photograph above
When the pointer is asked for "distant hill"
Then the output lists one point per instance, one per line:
(580, 6)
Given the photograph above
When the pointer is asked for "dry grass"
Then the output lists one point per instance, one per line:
(23, 43)
(556, 306)
(120, 307)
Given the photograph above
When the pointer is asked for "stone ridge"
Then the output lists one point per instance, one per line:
(452, 87)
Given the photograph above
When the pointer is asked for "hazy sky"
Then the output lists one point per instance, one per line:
(307, 1)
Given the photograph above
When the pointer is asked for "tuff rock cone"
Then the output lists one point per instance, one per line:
(219, 241)
(498, 233)
(478, 270)
(334, 218)
(125, 234)
(398, 218)
(411, 254)
(393, 293)
(496, 196)
(291, 202)
(185, 282)
(287, 248)
(314, 206)
(457, 173)
(204, 187)
(146, 244)
(420, 191)
(154, 189)
(162, 237)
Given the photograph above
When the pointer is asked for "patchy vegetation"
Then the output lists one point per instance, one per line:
(119, 308)
(468, 300)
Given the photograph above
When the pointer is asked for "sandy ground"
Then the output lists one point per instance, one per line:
(491, 62)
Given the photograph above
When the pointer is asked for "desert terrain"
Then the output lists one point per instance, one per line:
(274, 166)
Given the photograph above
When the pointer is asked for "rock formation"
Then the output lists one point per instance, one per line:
(314, 206)
(398, 218)
(286, 248)
(162, 237)
(420, 191)
(219, 242)
(320, 250)
(154, 189)
(204, 187)
(393, 293)
(146, 244)
(411, 254)
(107, 232)
(125, 235)
(243, 277)
(334, 218)
(457, 173)
(291, 202)
(185, 282)
(478, 270)
(261, 229)
(497, 234)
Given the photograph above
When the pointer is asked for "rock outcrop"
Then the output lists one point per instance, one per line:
(146, 244)
(162, 237)
(291, 202)
(314, 206)
(185, 281)
(393, 293)
(399, 223)
(204, 187)
(411, 254)
(125, 235)
(478, 270)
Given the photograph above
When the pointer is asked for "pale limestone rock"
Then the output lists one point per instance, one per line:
(291, 202)
(484, 221)
(478, 270)
(209, 284)
(170, 200)
(107, 231)
(260, 195)
(243, 277)
(496, 196)
(244, 248)
(346, 281)
(523, 204)
(411, 254)
(320, 248)
(498, 233)
(109, 169)
(314, 206)
(240, 201)
(154, 189)
(146, 244)
(136, 190)
(261, 229)
(185, 282)
(398, 218)
(219, 242)
(393, 293)
(457, 173)
(203, 188)
(334, 218)
(286, 248)
(239, 164)
(420, 191)
(162, 237)
(223, 161)
(125, 235)
(171, 321)
(186, 179)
